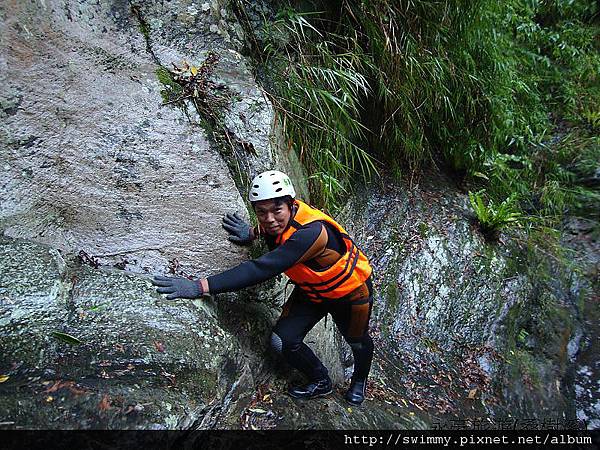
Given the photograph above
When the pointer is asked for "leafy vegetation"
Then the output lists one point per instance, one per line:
(492, 218)
(172, 90)
(504, 93)
(318, 92)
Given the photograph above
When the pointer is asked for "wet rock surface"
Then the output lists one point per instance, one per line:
(465, 329)
(467, 333)
(87, 347)
(124, 358)
(583, 238)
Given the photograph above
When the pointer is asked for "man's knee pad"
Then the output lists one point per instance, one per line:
(356, 346)
(276, 342)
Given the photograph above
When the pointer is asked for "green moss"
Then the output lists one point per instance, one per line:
(397, 238)
(391, 294)
(423, 229)
(205, 381)
(165, 77)
(582, 295)
(172, 89)
(144, 29)
(552, 326)
(430, 344)
(525, 366)
(206, 125)
(211, 120)
(539, 326)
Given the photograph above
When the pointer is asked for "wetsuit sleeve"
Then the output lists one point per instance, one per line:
(268, 265)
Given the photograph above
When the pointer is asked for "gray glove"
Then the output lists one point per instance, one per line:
(239, 231)
(178, 287)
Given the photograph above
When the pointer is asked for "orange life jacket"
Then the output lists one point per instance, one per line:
(338, 280)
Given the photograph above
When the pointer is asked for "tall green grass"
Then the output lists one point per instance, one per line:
(317, 91)
(447, 89)
(504, 93)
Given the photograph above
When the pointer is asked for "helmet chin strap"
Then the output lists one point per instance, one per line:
(294, 210)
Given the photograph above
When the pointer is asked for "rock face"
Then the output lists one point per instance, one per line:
(490, 329)
(583, 239)
(93, 164)
(91, 160)
(140, 361)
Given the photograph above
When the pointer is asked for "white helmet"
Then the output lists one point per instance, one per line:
(271, 184)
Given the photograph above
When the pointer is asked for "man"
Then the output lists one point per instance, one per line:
(330, 273)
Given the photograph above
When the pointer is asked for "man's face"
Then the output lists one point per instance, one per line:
(272, 217)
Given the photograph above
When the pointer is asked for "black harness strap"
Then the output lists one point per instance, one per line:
(318, 293)
(339, 283)
(341, 272)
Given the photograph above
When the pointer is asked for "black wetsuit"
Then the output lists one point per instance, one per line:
(275, 262)
(314, 245)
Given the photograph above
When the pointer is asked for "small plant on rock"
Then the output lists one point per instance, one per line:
(492, 217)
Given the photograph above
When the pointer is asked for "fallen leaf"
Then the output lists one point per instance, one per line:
(59, 385)
(472, 393)
(104, 403)
(257, 410)
(3, 378)
(418, 406)
(98, 307)
(49, 399)
(66, 338)
(54, 387)
(77, 391)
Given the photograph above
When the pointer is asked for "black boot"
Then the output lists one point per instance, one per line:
(356, 392)
(313, 389)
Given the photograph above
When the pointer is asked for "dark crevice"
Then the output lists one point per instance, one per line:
(144, 28)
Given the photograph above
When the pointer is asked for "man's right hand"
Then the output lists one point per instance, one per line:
(178, 287)
(239, 231)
